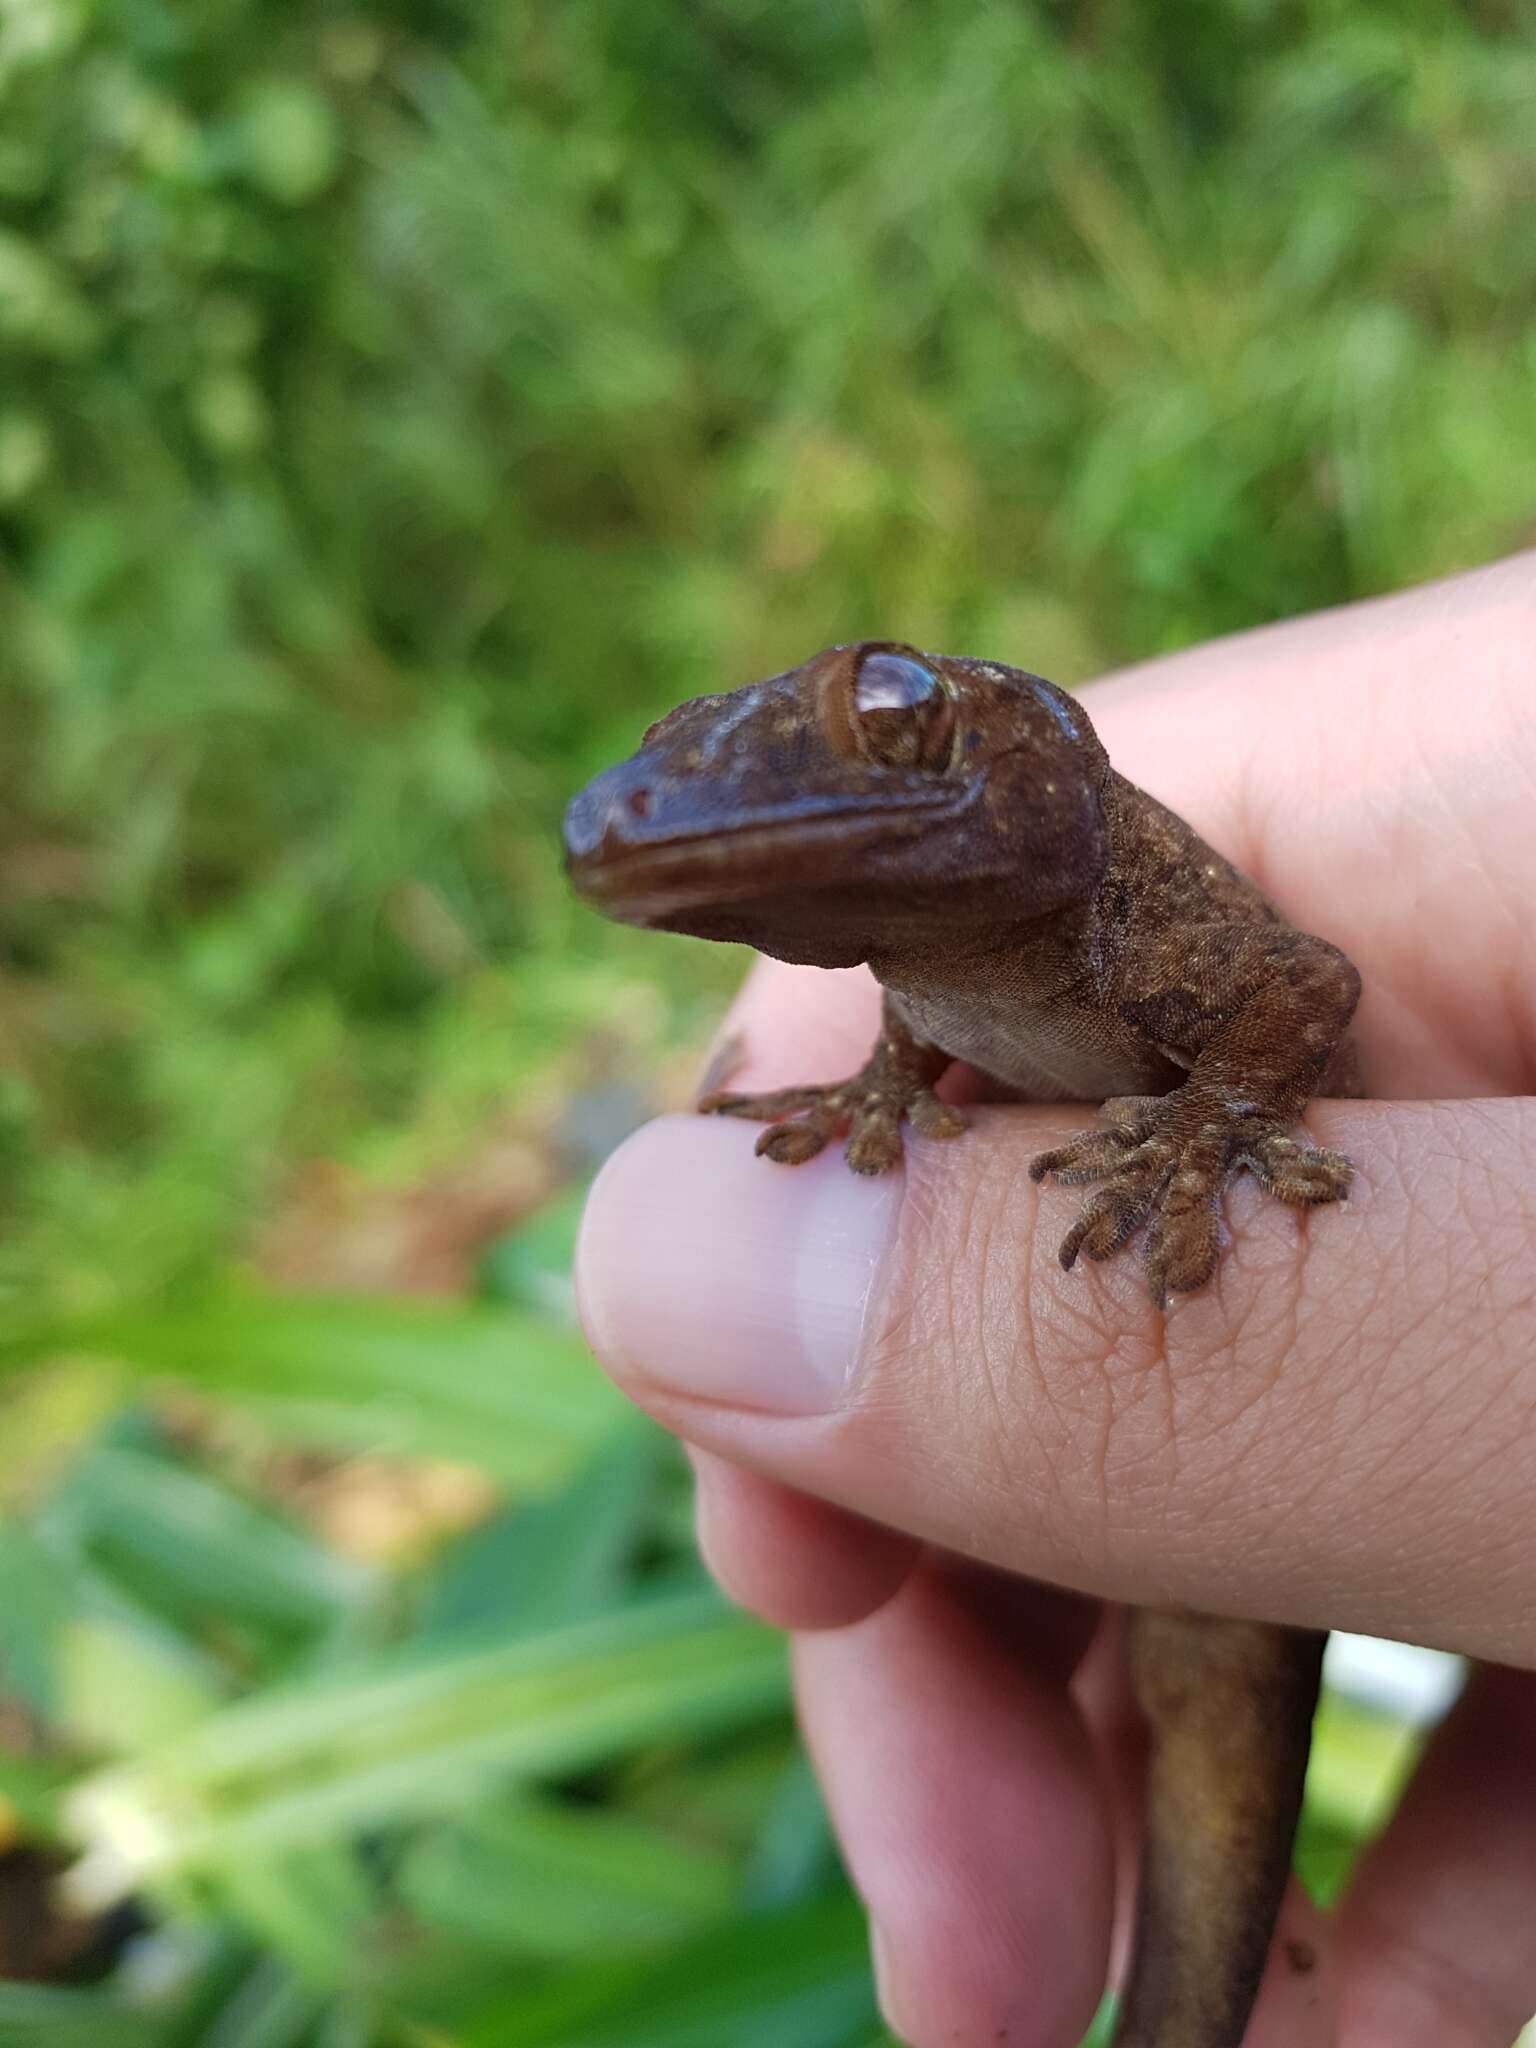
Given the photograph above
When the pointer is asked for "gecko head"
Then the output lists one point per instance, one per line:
(872, 798)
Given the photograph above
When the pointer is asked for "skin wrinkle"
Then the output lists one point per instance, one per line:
(978, 1230)
(1389, 1453)
(984, 1344)
(1069, 1400)
(1085, 1321)
(1504, 1563)
(1441, 824)
(1324, 1441)
(1133, 1432)
(1399, 1429)
(1111, 1477)
(1503, 1589)
(1395, 1476)
(1021, 1197)
(904, 1341)
(1453, 2009)
(1236, 1439)
(1426, 1441)
(892, 1374)
(1447, 1413)
(1242, 1446)
(1257, 1390)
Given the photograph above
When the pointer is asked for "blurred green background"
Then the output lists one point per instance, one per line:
(399, 406)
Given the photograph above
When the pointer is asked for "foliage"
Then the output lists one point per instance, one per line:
(539, 1787)
(398, 407)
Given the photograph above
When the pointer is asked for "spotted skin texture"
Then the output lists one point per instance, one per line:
(956, 825)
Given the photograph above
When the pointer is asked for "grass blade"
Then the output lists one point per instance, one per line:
(760, 1981)
(509, 1391)
(419, 1733)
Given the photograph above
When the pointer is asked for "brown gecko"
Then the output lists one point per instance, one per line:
(957, 825)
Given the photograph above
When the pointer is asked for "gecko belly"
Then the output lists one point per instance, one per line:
(996, 1034)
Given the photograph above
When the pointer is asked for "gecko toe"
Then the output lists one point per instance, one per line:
(1159, 1166)
(1182, 1251)
(1107, 1148)
(764, 1108)
(1297, 1174)
(791, 1144)
(874, 1143)
(1087, 1156)
(931, 1118)
(1133, 1114)
(1111, 1215)
(894, 1083)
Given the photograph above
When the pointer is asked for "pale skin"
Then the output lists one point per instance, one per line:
(1340, 1431)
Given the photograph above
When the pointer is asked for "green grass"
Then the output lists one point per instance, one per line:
(399, 407)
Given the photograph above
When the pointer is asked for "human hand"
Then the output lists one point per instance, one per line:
(910, 1428)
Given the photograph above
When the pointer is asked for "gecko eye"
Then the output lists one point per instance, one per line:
(903, 714)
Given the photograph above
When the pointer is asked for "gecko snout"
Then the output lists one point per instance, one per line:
(615, 815)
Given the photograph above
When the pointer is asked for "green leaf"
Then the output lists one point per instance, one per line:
(269, 2008)
(37, 2016)
(30, 1791)
(761, 1981)
(201, 1546)
(559, 1558)
(122, 1685)
(37, 1597)
(287, 140)
(420, 1733)
(793, 1855)
(530, 1267)
(542, 1879)
(507, 1391)
(311, 1906)
(1360, 1762)
(86, 1656)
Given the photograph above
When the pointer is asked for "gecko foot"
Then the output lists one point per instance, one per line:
(1161, 1168)
(869, 1106)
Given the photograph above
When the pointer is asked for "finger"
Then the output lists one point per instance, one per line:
(1334, 1433)
(1437, 1936)
(964, 1793)
(796, 1561)
(825, 1019)
(1297, 2002)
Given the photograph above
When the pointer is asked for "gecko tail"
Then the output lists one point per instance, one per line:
(1229, 1707)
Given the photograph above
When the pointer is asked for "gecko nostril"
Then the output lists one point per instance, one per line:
(639, 802)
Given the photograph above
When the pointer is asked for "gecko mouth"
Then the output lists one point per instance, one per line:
(648, 881)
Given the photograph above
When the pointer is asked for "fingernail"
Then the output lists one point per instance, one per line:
(709, 1272)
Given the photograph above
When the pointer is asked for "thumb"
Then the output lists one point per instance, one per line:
(1334, 1433)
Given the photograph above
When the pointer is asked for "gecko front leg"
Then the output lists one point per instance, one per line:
(896, 1081)
(1259, 1021)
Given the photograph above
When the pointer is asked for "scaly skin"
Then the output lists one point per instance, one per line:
(956, 825)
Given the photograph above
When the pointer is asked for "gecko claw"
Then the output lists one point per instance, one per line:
(1162, 1169)
(869, 1107)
